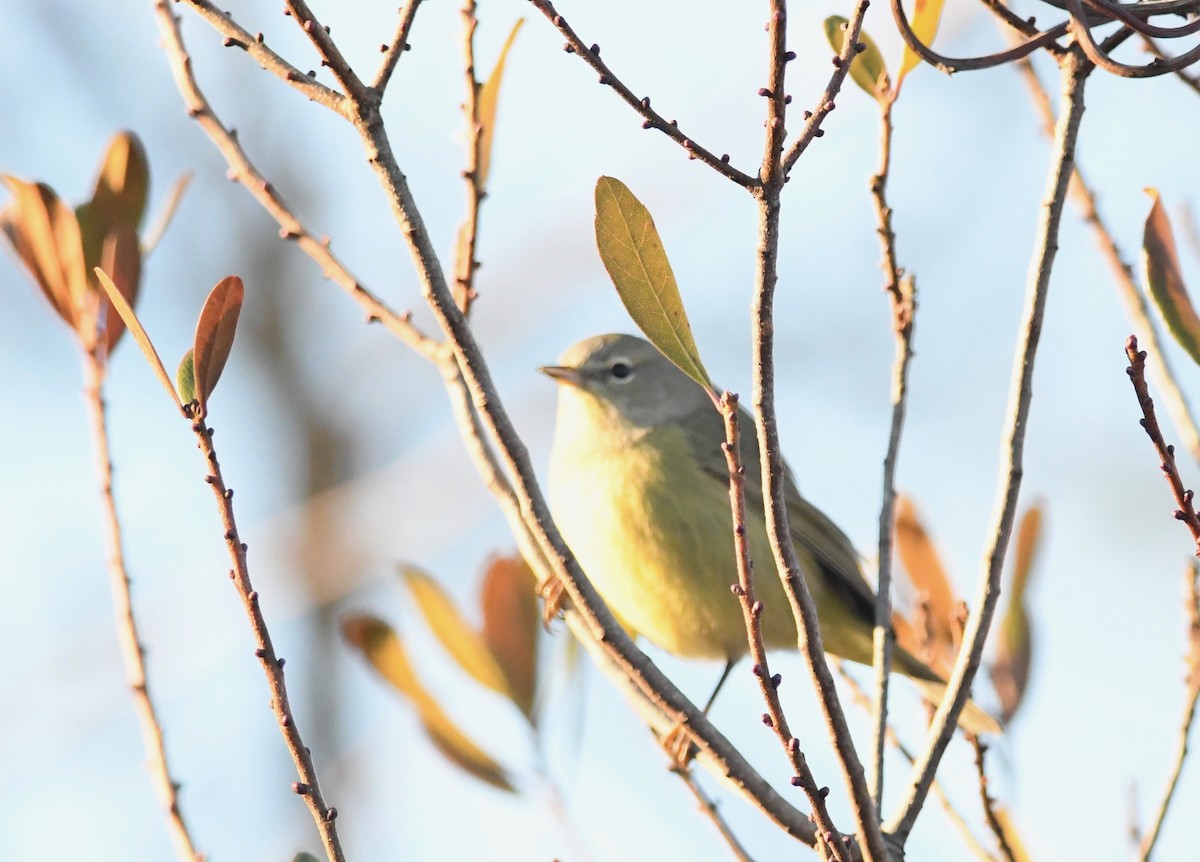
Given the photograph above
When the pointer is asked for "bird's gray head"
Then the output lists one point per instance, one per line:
(632, 377)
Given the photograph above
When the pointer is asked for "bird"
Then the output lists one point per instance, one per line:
(639, 488)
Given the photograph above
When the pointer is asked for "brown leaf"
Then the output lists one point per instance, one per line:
(382, 647)
(45, 235)
(122, 260)
(1014, 646)
(510, 625)
(1164, 278)
(924, 567)
(140, 335)
(123, 184)
(215, 332)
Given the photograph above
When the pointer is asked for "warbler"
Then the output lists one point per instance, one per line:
(639, 487)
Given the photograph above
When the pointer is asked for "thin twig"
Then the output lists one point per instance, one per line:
(708, 806)
(308, 786)
(253, 44)
(1191, 81)
(1075, 69)
(1192, 597)
(331, 56)
(398, 45)
(768, 684)
(132, 651)
(1166, 453)
(989, 804)
(902, 295)
(468, 232)
(864, 702)
(1127, 286)
(651, 118)
(241, 170)
(772, 178)
(811, 129)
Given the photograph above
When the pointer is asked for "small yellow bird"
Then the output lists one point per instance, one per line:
(639, 489)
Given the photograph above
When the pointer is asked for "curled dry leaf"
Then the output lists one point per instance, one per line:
(489, 100)
(215, 332)
(510, 626)
(637, 263)
(454, 633)
(382, 647)
(1164, 278)
(867, 69)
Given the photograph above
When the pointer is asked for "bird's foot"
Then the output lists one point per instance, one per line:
(677, 743)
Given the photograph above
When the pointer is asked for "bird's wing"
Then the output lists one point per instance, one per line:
(810, 527)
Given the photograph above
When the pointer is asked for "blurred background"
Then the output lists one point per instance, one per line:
(346, 462)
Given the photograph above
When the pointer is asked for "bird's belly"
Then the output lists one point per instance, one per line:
(658, 545)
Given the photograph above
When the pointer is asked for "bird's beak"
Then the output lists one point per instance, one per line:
(563, 374)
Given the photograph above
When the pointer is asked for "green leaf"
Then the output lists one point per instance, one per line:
(460, 640)
(924, 22)
(489, 99)
(382, 647)
(923, 565)
(121, 304)
(185, 378)
(637, 263)
(215, 332)
(1164, 278)
(511, 622)
(866, 69)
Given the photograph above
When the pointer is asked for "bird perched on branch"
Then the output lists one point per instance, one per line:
(639, 489)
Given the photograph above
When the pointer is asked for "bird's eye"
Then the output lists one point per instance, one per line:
(620, 370)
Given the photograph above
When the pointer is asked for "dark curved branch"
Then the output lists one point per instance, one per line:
(950, 65)
(1099, 54)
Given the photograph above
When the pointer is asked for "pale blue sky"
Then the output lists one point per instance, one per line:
(969, 170)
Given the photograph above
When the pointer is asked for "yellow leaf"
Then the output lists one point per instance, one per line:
(383, 649)
(1164, 278)
(510, 625)
(121, 304)
(460, 640)
(215, 332)
(866, 69)
(637, 263)
(924, 21)
(489, 99)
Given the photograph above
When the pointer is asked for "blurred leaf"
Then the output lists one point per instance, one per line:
(637, 263)
(156, 230)
(139, 333)
(459, 638)
(122, 185)
(1015, 844)
(924, 567)
(924, 21)
(1164, 277)
(45, 235)
(382, 648)
(1014, 648)
(510, 625)
(866, 69)
(489, 99)
(215, 332)
(304, 857)
(121, 258)
(185, 379)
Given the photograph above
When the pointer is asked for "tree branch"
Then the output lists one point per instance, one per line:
(1075, 69)
(398, 45)
(132, 651)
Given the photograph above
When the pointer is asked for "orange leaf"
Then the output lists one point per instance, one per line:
(123, 184)
(122, 260)
(140, 335)
(382, 647)
(215, 332)
(489, 100)
(510, 625)
(924, 567)
(45, 235)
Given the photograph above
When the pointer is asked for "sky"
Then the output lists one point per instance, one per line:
(346, 462)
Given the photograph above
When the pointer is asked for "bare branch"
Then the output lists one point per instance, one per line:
(989, 804)
(308, 787)
(398, 45)
(709, 808)
(331, 55)
(468, 232)
(1075, 70)
(652, 119)
(132, 651)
